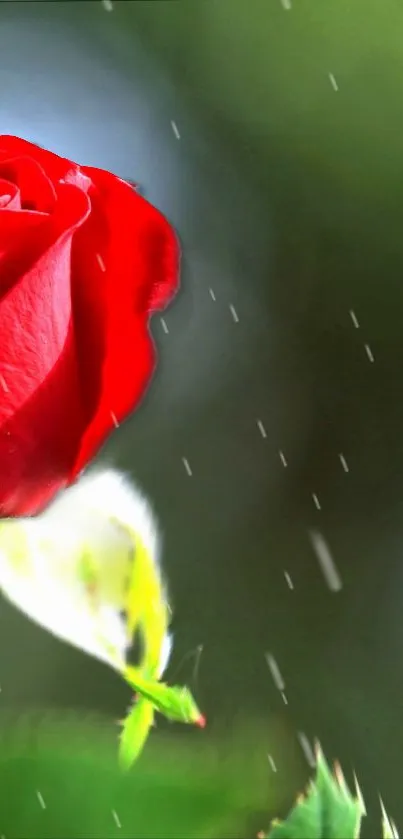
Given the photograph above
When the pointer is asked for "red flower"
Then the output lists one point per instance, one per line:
(84, 260)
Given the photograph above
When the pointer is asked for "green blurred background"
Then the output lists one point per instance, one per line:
(285, 185)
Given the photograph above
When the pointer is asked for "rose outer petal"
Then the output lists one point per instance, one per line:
(41, 416)
(81, 362)
(137, 273)
(10, 198)
(55, 167)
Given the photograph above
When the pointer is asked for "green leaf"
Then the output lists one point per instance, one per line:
(327, 811)
(175, 703)
(135, 730)
(178, 790)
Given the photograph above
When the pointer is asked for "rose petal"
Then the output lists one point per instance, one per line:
(49, 588)
(9, 196)
(36, 190)
(141, 256)
(38, 369)
(24, 234)
(125, 264)
(55, 167)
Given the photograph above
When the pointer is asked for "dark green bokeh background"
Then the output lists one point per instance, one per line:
(288, 198)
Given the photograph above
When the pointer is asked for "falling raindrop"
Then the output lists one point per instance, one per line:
(275, 671)
(175, 129)
(187, 466)
(101, 262)
(354, 319)
(316, 501)
(3, 384)
(116, 819)
(272, 763)
(369, 353)
(288, 580)
(326, 561)
(41, 800)
(261, 428)
(333, 82)
(234, 313)
(307, 748)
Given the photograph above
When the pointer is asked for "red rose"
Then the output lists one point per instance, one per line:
(84, 260)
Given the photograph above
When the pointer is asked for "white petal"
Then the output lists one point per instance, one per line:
(165, 654)
(52, 592)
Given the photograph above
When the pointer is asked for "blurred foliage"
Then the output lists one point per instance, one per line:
(60, 779)
(327, 811)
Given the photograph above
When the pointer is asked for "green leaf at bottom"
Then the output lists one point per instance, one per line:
(327, 811)
(135, 730)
